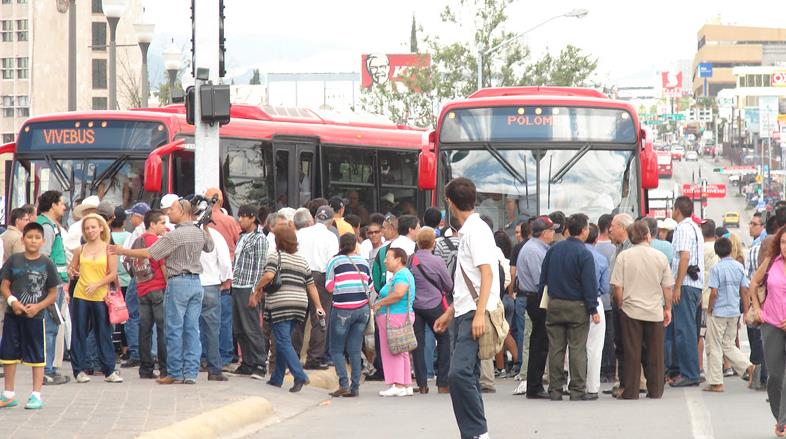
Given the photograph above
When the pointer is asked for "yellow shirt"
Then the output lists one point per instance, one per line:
(91, 271)
(343, 226)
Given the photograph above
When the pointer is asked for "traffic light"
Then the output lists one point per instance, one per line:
(221, 40)
(190, 104)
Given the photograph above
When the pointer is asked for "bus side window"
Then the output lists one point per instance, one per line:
(246, 173)
(282, 183)
(183, 173)
(349, 173)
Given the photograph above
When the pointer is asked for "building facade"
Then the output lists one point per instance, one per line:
(34, 59)
(727, 47)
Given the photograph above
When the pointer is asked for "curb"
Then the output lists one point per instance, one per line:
(233, 420)
(321, 379)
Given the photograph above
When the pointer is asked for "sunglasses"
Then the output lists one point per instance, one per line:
(373, 232)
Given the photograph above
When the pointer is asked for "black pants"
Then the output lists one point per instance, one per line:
(757, 350)
(246, 328)
(464, 379)
(151, 311)
(619, 350)
(608, 365)
(425, 317)
(538, 345)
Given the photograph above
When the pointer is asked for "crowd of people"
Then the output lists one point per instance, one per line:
(636, 302)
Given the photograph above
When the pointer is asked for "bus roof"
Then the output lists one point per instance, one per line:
(257, 123)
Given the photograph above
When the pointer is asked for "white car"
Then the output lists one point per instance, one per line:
(692, 155)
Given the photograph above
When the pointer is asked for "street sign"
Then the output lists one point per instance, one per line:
(674, 116)
(731, 170)
(705, 70)
(714, 190)
(672, 83)
(778, 79)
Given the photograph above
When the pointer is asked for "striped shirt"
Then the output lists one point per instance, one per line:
(290, 302)
(349, 286)
(686, 239)
(181, 249)
(249, 261)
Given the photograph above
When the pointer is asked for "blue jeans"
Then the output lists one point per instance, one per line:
(285, 354)
(464, 379)
(182, 307)
(83, 314)
(225, 344)
(681, 347)
(91, 352)
(50, 335)
(346, 334)
(209, 323)
(429, 348)
(518, 327)
(132, 325)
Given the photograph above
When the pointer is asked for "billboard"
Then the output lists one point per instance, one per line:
(672, 83)
(379, 68)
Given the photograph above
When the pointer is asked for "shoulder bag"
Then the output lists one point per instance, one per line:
(115, 302)
(497, 327)
(401, 339)
(370, 327)
(275, 284)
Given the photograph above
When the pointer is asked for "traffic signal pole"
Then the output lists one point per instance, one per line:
(205, 45)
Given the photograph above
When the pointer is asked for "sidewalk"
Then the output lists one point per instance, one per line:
(99, 410)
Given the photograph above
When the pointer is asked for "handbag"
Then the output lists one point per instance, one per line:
(401, 339)
(371, 328)
(116, 305)
(497, 327)
(275, 284)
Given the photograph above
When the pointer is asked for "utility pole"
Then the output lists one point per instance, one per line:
(72, 55)
(205, 16)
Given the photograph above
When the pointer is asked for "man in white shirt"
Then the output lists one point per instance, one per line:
(73, 238)
(408, 228)
(137, 217)
(216, 271)
(477, 259)
(317, 245)
(375, 240)
(284, 217)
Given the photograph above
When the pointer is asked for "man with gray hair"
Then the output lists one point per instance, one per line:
(618, 233)
(317, 245)
(284, 217)
(302, 219)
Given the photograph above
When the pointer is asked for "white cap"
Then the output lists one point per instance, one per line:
(389, 198)
(667, 224)
(168, 200)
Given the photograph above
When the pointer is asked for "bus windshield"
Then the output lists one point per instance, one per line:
(594, 182)
(118, 180)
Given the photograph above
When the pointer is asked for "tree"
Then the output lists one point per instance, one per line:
(413, 36)
(130, 85)
(255, 78)
(453, 70)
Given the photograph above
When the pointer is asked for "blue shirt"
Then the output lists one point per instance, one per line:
(569, 271)
(601, 270)
(529, 263)
(400, 307)
(663, 247)
(727, 276)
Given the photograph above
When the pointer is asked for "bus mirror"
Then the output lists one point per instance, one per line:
(649, 167)
(153, 166)
(427, 171)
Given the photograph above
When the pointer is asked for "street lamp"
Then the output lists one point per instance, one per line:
(113, 9)
(144, 35)
(575, 13)
(173, 61)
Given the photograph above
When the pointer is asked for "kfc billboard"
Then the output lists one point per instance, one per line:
(380, 68)
(672, 83)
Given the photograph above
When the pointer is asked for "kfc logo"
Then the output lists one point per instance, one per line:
(379, 69)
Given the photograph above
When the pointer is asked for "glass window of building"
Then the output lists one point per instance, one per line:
(99, 74)
(21, 30)
(6, 31)
(22, 68)
(7, 68)
(99, 36)
(100, 103)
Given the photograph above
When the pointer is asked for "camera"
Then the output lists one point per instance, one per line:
(693, 272)
(203, 209)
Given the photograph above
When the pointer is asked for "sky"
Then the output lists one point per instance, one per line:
(632, 40)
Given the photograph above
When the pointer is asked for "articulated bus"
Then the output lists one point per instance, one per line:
(535, 150)
(269, 156)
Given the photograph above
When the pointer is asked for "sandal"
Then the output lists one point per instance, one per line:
(718, 388)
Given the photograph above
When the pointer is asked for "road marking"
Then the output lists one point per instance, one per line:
(700, 418)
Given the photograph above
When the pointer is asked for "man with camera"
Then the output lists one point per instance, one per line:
(687, 265)
(181, 250)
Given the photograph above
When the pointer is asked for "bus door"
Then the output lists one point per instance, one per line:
(295, 177)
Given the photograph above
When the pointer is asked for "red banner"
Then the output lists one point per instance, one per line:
(672, 83)
(380, 68)
(712, 191)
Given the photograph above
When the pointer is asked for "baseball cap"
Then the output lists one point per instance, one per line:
(667, 224)
(120, 214)
(168, 200)
(336, 203)
(542, 223)
(324, 214)
(140, 209)
(106, 209)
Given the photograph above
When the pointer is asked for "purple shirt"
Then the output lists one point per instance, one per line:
(774, 310)
(425, 267)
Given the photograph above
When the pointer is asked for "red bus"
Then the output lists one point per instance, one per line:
(273, 156)
(536, 150)
(665, 163)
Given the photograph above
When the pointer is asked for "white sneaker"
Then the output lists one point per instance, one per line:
(82, 378)
(394, 391)
(410, 391)
(521, 389)
(114, 378)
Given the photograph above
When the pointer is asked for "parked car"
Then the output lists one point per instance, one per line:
(731, 218)
(677, 152)
(709, 150)
(691, 156)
